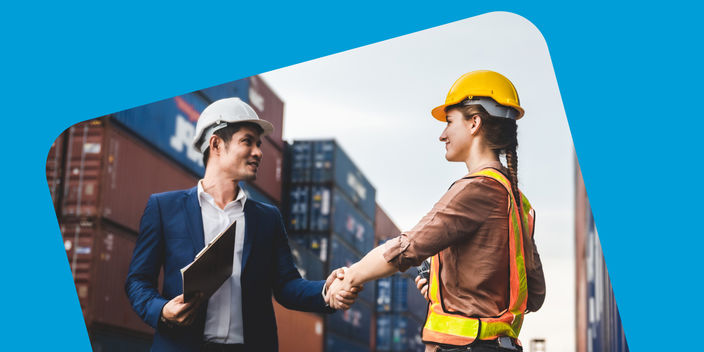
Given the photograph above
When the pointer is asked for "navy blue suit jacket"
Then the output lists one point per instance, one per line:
(171, 234)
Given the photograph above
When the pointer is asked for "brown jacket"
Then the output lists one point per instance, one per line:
(469, 228)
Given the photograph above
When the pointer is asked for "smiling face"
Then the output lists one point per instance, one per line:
(458, 135)
(240, 158)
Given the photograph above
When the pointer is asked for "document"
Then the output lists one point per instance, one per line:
(211, 267)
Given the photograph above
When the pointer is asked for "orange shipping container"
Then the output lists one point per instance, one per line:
(298, 331)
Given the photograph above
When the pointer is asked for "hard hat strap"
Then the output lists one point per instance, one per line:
(492, 107)
(205, 144)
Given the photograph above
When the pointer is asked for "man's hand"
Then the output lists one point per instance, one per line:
(179, 313)
(422, 285)
(336, 298)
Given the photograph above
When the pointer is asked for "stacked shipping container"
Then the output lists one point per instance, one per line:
(598, 321)
(331, 211)
(400, 307)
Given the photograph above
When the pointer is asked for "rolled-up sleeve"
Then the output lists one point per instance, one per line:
(458, 214)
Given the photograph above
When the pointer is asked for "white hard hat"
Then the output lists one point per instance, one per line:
(221, 113)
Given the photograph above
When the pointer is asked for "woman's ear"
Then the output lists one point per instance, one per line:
(474, 123)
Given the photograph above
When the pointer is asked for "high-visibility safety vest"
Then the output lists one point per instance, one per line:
(454, 328)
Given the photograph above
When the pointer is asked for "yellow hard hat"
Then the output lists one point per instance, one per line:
(476, 86)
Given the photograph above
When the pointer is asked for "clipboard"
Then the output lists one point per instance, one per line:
(211, 267)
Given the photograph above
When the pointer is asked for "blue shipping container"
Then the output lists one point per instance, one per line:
(383, 295)
(399, 294)
(309, 265)
(239, 88)
(383, 332)
(337, 343)
(169, 125)
(332, 165)
(406, 334)
(354, 323)
(341, 255)
(298, 212)
(301, 153)
(330, 210)
(417, 305)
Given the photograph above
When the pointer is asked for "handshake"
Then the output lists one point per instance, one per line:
(341, 293)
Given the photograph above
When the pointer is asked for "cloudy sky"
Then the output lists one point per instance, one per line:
(376, 101)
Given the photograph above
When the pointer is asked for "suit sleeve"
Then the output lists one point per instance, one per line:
(143, 277)
(290, 290)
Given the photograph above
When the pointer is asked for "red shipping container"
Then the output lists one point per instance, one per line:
(269, 107)
(54, 168)
(384, 227)
(269, 174)
(298, 331)
(111, 174)
(99, 254)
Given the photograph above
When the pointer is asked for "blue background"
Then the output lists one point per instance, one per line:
(629, 76)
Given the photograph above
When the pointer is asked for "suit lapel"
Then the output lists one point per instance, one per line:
(194, 220)
(249, 219)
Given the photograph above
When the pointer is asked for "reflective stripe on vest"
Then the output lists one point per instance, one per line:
(442, 326)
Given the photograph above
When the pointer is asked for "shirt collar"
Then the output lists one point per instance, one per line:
(204, 196)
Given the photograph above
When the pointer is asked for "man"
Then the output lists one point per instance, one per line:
(176, 225)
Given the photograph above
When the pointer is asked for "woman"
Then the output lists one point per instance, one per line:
(485, 272)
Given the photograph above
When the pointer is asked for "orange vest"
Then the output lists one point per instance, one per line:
(454, 328)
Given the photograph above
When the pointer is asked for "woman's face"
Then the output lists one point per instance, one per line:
(458, 135)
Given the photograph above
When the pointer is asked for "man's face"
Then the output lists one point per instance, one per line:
(241, 157)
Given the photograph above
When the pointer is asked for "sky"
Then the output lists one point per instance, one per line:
(376, 101)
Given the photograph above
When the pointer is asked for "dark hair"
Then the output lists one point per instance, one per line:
(226, 135)
(501, 136)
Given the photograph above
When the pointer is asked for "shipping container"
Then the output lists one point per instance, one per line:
(383, 294)
(298, 209)
(398, 332)
(384, 335)
(239, 89)
(169, 125)
(308, 263)
(111, 174)
(406, 334)
(337, 343)
(353, 323)
(269, 107)
(330, 210)
(598, 324)
(54, 169)
(99, 254)
(298, 331)
(331, 165)
(384, 227)
(342, 255)
(417, 304)
(301, 162)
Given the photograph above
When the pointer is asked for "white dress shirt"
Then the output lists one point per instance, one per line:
(223, 323)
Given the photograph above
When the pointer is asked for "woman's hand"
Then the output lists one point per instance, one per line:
(422, 285)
